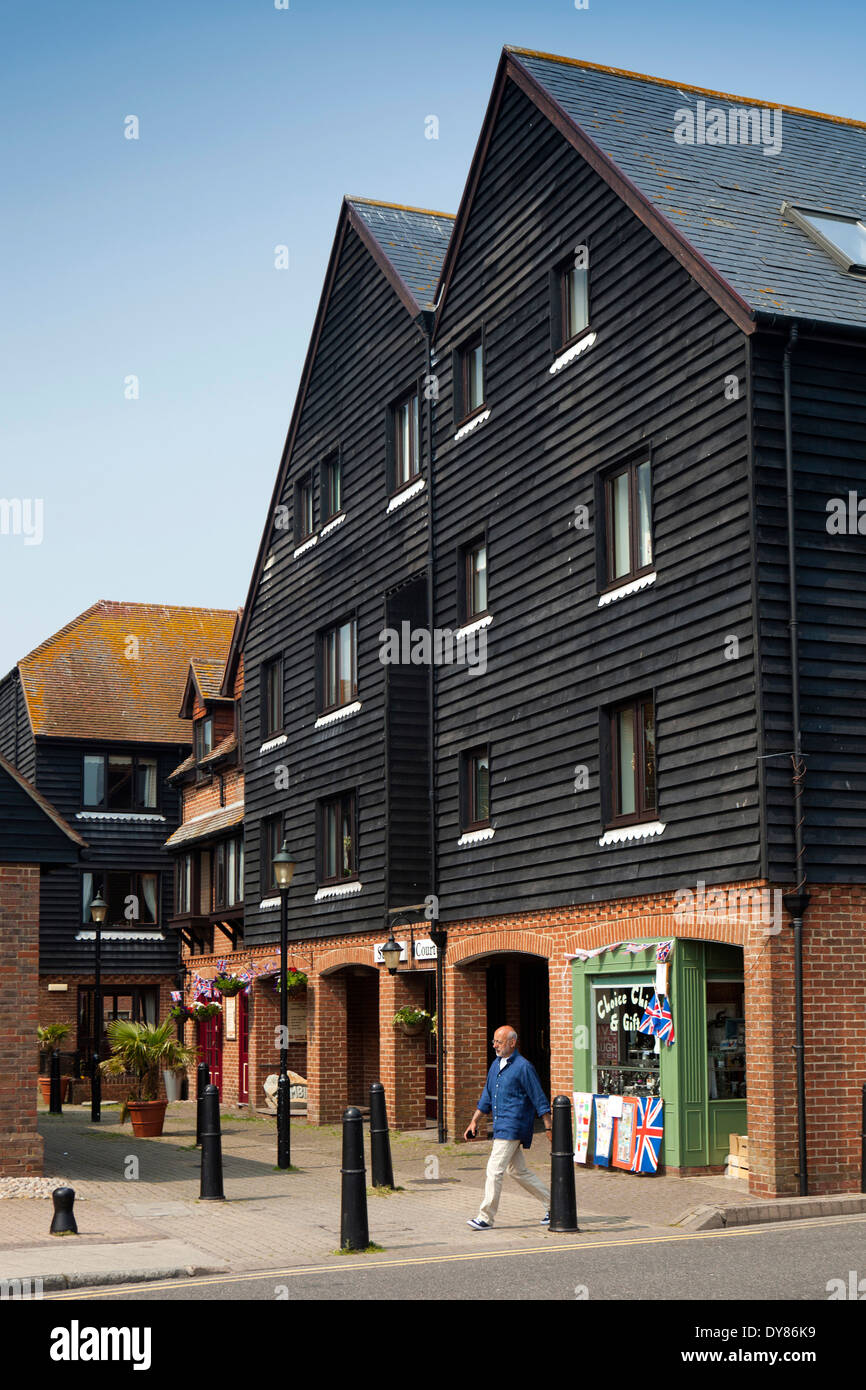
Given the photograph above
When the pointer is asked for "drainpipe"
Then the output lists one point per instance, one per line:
(797, 902)
(437, 933)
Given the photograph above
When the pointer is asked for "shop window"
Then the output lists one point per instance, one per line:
(726, 1039)
(626, 1061)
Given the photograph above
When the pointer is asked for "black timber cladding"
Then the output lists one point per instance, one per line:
(828, 384)
(16, 737)
(369, 354)
(653, 381)
(31, 832)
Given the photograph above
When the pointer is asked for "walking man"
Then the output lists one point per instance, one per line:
(514, 1093)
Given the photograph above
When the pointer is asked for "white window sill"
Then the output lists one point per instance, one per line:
(305, 546)
(571, 353)
(118, 815)
(632, 832)
(110, 935)
(471, 425)
(475, 626)
(337, 714)
(475, 837)
(267, 903)
(332, 525)
(634, 586)
(406, 495)
(338, 890)
(274, 743)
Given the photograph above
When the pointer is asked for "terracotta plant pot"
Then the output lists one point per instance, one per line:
(148, 1117)
(45, 1088)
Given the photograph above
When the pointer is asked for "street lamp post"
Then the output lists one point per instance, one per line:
(284, 869)
(98, 910)
(439, 937)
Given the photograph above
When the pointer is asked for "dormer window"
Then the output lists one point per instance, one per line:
(842, 236)
(203, 737)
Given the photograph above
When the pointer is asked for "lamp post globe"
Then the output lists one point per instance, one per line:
(391, 953)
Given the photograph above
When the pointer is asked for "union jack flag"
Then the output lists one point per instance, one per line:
(663, 952)
(648, 1134)
(658, 1019)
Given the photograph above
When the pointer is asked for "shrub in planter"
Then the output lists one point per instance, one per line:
(229, 984)
(50, 1036)
(202, 1012)
(144, 1050)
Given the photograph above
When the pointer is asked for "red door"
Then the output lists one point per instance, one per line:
(210, 1047)
(243, 1048)
(431, 1098)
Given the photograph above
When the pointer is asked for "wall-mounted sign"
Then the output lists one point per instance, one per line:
(57, 989)
(425, 950)
(379, 959)
(230, 1016)
(296, 1020)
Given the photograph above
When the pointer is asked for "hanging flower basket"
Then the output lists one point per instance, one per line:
(182, 1011)
(411, 1022)
(202, 1012)
(296, 981)
(229, 984)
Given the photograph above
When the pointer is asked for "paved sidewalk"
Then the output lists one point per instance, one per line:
(137, 1203)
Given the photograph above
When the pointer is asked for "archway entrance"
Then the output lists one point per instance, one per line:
(518, 992)
(362, 1033)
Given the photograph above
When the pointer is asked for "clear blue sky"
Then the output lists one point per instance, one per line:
(155, 257)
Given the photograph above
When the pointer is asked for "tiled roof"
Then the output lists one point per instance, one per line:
(225, 746)
(203, 827)
(724, 200)
(208, 677)
(114, 672)
(42, 803)
(413, 239)
(187, 765)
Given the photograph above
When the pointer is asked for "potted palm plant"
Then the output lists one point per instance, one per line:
(51, 1036)
(143, 1050)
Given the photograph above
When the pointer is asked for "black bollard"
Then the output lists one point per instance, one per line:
(54, 1104)
(202, 1079)
(381, 1167)
(211, 1147)
(63, 1223)
(354, 1231)
(563, 1198)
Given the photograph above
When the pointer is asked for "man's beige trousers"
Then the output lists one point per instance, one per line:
(507, 1157)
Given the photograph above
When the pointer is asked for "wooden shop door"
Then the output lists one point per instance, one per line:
(210, 1047)
(243, 1048)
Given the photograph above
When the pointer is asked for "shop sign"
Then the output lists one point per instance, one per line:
(623, 1008)
(425, 950)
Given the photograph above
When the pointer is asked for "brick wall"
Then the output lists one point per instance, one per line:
(20, 1144)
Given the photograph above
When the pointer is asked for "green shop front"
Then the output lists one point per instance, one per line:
(702, 1076)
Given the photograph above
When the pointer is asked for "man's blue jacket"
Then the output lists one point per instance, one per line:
(515, 1096)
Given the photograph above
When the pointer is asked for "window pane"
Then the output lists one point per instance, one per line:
(346, 665)
(347, 861)
(619, 522)
(330, 674)
(88, 893)
(240, 891)
(416, 436)
(116, 890)
(625, 769)
(575, 286)
(481, 788)
(335, 501)
(147, 901)
(478, 595)
(331, 829)
(401, 444)
(119, 783)
(726, 1039)
(649, 747)
(846, 233)
(626, 1060)
(231, 872)
(94, 780)
(474, 378)
(644, 533)
(145, 779)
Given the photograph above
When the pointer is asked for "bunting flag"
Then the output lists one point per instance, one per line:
(663, 951)
(658, 1019)
(648, 1134)
(631, 946)
(603, 1130)
(582, 1120)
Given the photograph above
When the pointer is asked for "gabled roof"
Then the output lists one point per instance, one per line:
(204, 679)
(409, 245)
(205, 826)
(413, 240)
(717, 208)
(114, 672)
(21, 807)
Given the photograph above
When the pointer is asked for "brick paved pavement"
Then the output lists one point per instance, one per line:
(273, 1218)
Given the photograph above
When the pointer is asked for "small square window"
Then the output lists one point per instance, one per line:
(304, 518)
(332, 486)
(338, 666)
(628, 522)
(469, 383)
(404, 427)
(337, 839)
(272, 698)
(472, 579)
(632, 761)
(475, 789)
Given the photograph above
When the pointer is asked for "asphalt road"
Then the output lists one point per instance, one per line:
(785, 1261)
